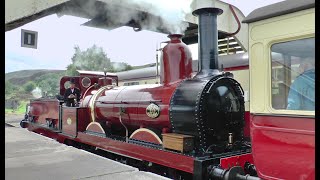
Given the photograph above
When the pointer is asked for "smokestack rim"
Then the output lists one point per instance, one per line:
(175, 36)
(208, 10)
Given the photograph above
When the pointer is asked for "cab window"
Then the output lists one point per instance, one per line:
(293, 75)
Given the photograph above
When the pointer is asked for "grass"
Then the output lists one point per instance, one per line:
(20, 110)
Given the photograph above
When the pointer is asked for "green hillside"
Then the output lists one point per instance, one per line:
(20, 85)
(23, 76)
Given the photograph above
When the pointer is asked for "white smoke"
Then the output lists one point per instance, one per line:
(118, 66)
(37, 92)
(171, 12)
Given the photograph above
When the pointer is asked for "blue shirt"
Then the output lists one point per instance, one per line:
(302, 93)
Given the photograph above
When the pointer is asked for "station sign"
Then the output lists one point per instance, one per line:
(29, 38)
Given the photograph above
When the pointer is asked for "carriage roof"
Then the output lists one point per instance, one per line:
(228, 61)
(278, 9)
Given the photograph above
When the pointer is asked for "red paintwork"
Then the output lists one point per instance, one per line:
(283, 147)
(168, 159)
(69, 129)
(77, 83)
(240, 160)
(45, 109)
(176, 61)
(79, 115)
(135, 99)
(177, 65)
(90, 75)
(83, 118)
(236, 68)
(246, 129)
(105, 81)
(165, 158)
(99, 79)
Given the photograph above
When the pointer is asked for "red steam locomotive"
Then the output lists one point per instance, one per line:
(186, 124)
(185, 127)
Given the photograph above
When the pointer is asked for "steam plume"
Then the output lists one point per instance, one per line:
(37, 93)
(167, 15)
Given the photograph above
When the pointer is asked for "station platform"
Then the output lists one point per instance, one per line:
(30, 156)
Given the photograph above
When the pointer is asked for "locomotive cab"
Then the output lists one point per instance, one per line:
(87, 82)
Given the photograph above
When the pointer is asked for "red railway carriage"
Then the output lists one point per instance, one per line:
(194, 126)
(282, 109)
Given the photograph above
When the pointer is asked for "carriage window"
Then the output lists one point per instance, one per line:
(130, 83)
(114, 82)
(293, 75)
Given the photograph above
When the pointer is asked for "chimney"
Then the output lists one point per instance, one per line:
(176, 61)
(207, 40)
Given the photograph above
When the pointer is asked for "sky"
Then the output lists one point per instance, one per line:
(58, 36)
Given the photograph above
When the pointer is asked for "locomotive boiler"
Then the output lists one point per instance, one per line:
(188, 123)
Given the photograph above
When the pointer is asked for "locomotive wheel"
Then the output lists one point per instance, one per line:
(144, 134)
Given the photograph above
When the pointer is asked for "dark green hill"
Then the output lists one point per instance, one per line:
(23, 76)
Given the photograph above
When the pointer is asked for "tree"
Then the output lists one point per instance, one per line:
(9, 89)
(121, 66)
(72, 70)
(128, 67)
(29, 86)
(92, 59)
(49, 83)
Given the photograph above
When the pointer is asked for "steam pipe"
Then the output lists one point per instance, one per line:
(157, 64)
(207, 39)
(127, 134)
(157, 59)
(238, 22)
